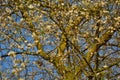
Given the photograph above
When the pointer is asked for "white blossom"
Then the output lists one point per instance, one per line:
(19, 46)
(0, 58)
(105, 11)
(39, 51)
(29, 45)
(8, 10)
(48, 26)
(21, 19)
(83, 13)
(31, 6)
(20, 79)
(98, 74)
(12, 53)
(118, 18)
(36, 41)
(13, 71)
(23, 64)
(101, 28)
(105, 66)
(33, 34)
(26, 41)
(62, 4)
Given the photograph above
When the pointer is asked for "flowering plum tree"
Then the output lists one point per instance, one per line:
(59, 39)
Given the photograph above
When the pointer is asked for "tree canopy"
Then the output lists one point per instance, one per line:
(59, 39)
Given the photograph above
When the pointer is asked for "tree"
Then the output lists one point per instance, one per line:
(59, 39)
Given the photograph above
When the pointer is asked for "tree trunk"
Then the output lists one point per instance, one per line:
(69, 76)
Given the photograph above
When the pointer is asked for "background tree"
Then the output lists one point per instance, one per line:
(59, 39)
